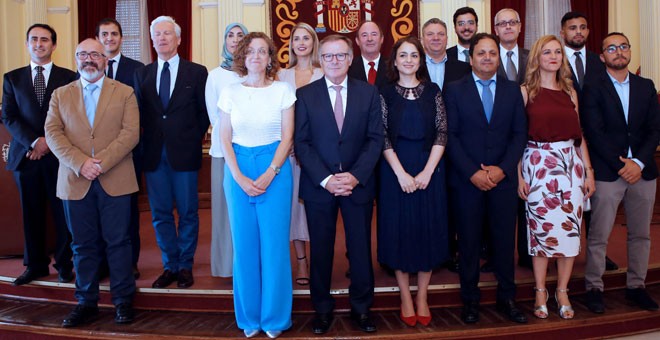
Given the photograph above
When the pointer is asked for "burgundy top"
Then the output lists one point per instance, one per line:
(552, 117)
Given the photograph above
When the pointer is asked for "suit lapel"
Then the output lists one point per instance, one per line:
(104, 99)
(77, 98)
(324, 98)
(611, 92)
(178, 83)
(150, 84)
(352, 99)
(473, 92)
(632, 103)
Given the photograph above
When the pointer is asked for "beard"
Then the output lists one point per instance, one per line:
(576, 45)
(618, 67)
(89, 71)
(464, 41)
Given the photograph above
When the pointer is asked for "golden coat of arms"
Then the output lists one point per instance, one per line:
(341, 16)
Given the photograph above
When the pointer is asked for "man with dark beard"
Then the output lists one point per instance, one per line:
(621, 123)
(96, 178)
(465, 25)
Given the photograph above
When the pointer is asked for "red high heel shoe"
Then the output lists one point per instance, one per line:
(424, 320)
(408, 320)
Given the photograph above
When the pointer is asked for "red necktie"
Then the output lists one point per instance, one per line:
(372, 73)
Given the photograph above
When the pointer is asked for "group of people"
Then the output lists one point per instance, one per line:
(454, 145)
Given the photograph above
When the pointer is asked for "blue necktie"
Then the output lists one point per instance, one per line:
(487, 97)
(90, 102)
(164, 88)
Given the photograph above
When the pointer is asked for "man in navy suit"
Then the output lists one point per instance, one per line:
(338, 140)
(173, 116)
(369, 39)
(123, 68)
(465, 25)
(487, 135)
(26, 94)
(621, 122)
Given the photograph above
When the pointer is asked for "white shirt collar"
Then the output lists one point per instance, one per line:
(173, 61)
(503, 51)
(365, 62)
(98, 83)
(47, 67)
(329, 84)
(571, 52)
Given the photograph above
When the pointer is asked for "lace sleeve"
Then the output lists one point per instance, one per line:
(388, 143)
(440, 121)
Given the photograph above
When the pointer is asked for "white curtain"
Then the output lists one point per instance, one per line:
(132, 15)
(543, 17)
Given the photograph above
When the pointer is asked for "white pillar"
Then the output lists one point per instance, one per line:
(36, 11)
(228, 11)
(649, 12)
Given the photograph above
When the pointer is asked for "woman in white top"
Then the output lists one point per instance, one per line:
(256, 132)
(303, 69)
(221, 248)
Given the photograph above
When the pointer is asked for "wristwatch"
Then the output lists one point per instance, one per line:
(275, 168)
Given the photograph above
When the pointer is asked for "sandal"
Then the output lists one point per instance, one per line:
(302, 281)
(566, 312)
(541, 311)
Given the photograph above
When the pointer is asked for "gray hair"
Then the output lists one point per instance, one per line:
(506, 10)
(165, 18)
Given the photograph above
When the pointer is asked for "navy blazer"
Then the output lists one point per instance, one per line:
(455, 70)
(594, 71)
(473, 141)
(323, 151)
(182, 126)
(356, 70)
(21, 113)
(609, 135)
(523, 54)
(126, 70)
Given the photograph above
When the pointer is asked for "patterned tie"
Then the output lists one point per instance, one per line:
(90, 102)
(579, 68)
(40, 85)
(372, 73)
(339, 107)
(111, 73)
(466, 53)
(487, 97)
(511, 72)
(164, 89)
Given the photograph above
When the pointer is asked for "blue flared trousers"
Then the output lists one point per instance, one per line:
(263, 292)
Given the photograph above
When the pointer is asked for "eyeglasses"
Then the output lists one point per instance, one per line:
(261, 52)
(463, 23)
(94, 55)
(511, 23)
(612, 48)
(328, 56)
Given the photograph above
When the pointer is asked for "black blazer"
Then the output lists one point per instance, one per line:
(356, 70)
(452, 53)
(126, 70)
(609, 135)
(323, 151)
(455, 70)
(21, 113)
(523, 54)
(180, 128)
(595, 70)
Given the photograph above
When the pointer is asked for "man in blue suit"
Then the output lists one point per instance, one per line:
(173, 116)
(338, 140)
(487, 135)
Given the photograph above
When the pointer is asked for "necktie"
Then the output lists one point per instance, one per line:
(372, 73)
(164, 88)
(90, 102)
(339, 107)
(511, 73)
(487, 97)
(579, 68)
(111, 73)
(466, 53)
(40, 85)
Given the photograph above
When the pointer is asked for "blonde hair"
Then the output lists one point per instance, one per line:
(533, 74)
(293, 59)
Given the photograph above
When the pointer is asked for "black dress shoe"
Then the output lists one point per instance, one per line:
(487, 267)
(641, 298)
(321, 323)
(509, 308)
(65, 275)
(165, 279)
(595, 301)
(364, 322)
(29, 275)
(610, 265)
(80, 315)
(185, 278)
(124, 313)
(470, 312)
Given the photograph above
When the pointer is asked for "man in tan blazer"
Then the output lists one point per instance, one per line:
(92, 127)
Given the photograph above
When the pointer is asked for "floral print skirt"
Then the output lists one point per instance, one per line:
(555, 175)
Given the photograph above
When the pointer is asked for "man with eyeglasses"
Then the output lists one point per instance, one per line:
(338, 140)
(621, 123)
(513, 59)
(465, 25)
(94, 144)
(26, 94)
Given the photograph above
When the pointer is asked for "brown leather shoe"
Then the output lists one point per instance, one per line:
(185, 278)
(165, 279)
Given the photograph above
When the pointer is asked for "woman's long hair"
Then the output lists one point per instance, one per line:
(533, 75)
(293, 59)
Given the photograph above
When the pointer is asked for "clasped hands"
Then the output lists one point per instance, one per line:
(258, 186)
(410, 184)
(91, 169)
(40, 149)
(341, 184)
(487, 177)
(631, 171)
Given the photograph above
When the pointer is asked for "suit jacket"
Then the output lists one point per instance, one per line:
(523, 54)
(181, 127)
(455, 70)
(356, 70)
(112, 138)
(126, 70)
(452, 53)
(474, 141)
(609, 135)
(21, 113)
(323, 151)
(595, 69)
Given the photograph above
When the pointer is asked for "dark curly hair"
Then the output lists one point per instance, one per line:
(242, 50)
(422, 72)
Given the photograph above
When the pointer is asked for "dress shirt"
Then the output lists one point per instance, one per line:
(98, 83)
(174, 69)
(492, 86)
(365, 64)
(570, 53)
(114, 67)
(623, 90)
(333, 94)
(461, 56)
(46, 72)
(436, 70)
(504, 59)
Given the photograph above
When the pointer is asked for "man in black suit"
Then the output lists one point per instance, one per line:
(27, 92)
(123, 68)
(621, 122)
(173, 116)
(487, 135)
(369, 39)
(338, 153)
(465, 25)
(442, 70)
(586, 67)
